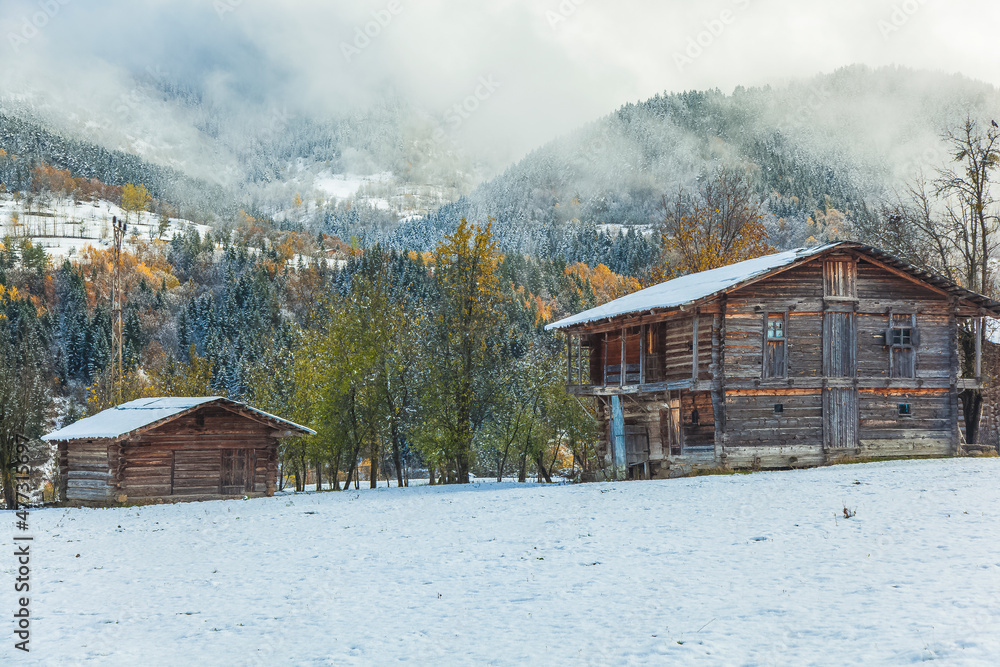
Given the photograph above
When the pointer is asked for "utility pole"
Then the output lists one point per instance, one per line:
(117, 327)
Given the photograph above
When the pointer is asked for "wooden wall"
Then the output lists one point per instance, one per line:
(85, 471)
(758, 437)
(755, 435)
(926, 432)
(183, 459)
(751, 433)
(186, 455)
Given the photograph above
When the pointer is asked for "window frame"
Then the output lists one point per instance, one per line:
(767, 341)
(907, 333)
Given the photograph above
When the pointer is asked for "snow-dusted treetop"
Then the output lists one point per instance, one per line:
(147, 412)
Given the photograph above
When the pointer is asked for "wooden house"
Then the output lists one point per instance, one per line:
(795, 359)
(169, 449)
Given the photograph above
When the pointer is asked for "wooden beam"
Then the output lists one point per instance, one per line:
(604, 362)
(569, 358)
(694, 347)
(642, 354)
(979, 348)
(718, 400)
(956, 433)
(621, 371)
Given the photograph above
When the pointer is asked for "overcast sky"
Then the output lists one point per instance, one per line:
(540, 67)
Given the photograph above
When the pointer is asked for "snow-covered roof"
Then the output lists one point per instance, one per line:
(691, 288)
(135, 415)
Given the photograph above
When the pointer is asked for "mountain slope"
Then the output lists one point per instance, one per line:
(842, 140)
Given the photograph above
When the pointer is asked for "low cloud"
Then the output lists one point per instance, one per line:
(559, 63)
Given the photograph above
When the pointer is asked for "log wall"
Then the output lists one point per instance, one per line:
(85, 469)
(736, 403)
(180, 460)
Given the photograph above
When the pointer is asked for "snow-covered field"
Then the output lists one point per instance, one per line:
(735, 570)
(63, 226)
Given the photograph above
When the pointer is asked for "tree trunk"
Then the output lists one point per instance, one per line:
(396, 460)
(335, 476)
(430, 470)
(351, 469)
(522, 471)
(9, 489)
(503, 462)
(373, 471)
(541, 468)
(319, 476)
(555, 454)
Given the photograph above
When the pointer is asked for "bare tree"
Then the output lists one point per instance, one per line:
(721, 223)
(967, 182)
(952, 225)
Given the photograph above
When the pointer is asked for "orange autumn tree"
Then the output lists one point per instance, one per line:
(141, 264)
(605, 284)
(721, 224)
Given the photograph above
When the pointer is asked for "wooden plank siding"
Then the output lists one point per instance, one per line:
(86, 471)
(179, 460)
(839, 391)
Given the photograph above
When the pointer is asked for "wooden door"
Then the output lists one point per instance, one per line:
(670, 428)
(840, 403)
(195, 472)
(840, 344)
(840, 418)
(237, 477)
(637, 451)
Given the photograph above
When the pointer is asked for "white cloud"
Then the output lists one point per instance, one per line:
(557, 73)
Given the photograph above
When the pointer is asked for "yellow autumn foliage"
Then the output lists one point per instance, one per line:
(605, 283)
(97, 269)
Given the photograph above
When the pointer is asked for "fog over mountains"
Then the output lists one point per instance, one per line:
(391, 122)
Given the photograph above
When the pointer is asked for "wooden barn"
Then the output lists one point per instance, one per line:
(795, 359)
(171, 449)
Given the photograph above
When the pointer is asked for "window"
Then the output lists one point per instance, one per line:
(904, 410)
(776, 327)
(779, 408)
(775, 356)
(901, 336)
(902, 339)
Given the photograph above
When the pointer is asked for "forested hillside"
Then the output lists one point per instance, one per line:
(834, 147)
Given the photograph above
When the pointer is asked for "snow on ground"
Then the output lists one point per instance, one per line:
(345, 186)
(616, 230)
(63, 226)
(735, 570)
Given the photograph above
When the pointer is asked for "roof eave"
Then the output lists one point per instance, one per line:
(273, 421)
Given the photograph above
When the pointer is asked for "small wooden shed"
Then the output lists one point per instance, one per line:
(171, 449)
